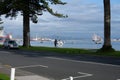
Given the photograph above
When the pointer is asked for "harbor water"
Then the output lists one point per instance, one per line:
(84, 44)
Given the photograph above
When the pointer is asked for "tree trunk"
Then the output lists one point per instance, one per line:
(26, 25)
(26, 29)
(107, 26)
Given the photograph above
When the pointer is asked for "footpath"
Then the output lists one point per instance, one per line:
(21, 74)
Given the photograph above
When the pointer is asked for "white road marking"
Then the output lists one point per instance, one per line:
(5, 66)
(86, 62)
(32, 66)
(4, 52)
(118, 79)
(82, 76)
(1, 67)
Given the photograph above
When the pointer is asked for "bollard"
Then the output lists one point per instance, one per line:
(12, 77)
(71, 78)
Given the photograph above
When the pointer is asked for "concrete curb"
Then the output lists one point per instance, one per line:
(31, 77)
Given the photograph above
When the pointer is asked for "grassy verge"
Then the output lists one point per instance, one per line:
(4, 77)
(73, 51)
(58, 50)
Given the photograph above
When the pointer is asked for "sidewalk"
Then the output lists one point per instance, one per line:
(20, 74)
(32, 77)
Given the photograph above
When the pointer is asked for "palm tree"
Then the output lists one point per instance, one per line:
(107, 27)
(29, 9)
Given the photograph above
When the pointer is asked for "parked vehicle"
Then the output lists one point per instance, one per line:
(10, 44)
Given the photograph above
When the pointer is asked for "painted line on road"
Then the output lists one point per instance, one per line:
(5, 66)
(1, 67)
(118, 79)
(32, 66)
(4, 52)
(83, 75)
(86, 62)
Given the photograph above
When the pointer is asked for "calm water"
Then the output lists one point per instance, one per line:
(87, 44)
(75, 39)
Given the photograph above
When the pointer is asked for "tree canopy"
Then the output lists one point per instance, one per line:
(11, 8)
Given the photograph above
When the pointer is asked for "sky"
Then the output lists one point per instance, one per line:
(85, 17)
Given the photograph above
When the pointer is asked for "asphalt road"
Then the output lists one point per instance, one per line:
(61, 67)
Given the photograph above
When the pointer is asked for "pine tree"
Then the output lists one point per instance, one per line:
(29, 9)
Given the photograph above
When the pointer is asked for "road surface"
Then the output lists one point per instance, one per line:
(60, 67)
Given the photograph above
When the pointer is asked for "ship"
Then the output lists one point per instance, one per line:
(97, 39)
(3, 36)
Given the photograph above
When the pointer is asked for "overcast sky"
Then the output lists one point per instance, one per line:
(84, 16)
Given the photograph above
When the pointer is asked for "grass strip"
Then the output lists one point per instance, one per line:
(73, 51)
(4, 77)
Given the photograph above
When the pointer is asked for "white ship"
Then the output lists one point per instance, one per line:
(97, 39)
(3, 37)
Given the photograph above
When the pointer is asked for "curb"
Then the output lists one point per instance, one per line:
(31, 77)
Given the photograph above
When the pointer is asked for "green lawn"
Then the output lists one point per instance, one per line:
(73, 51)
(4, 77)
